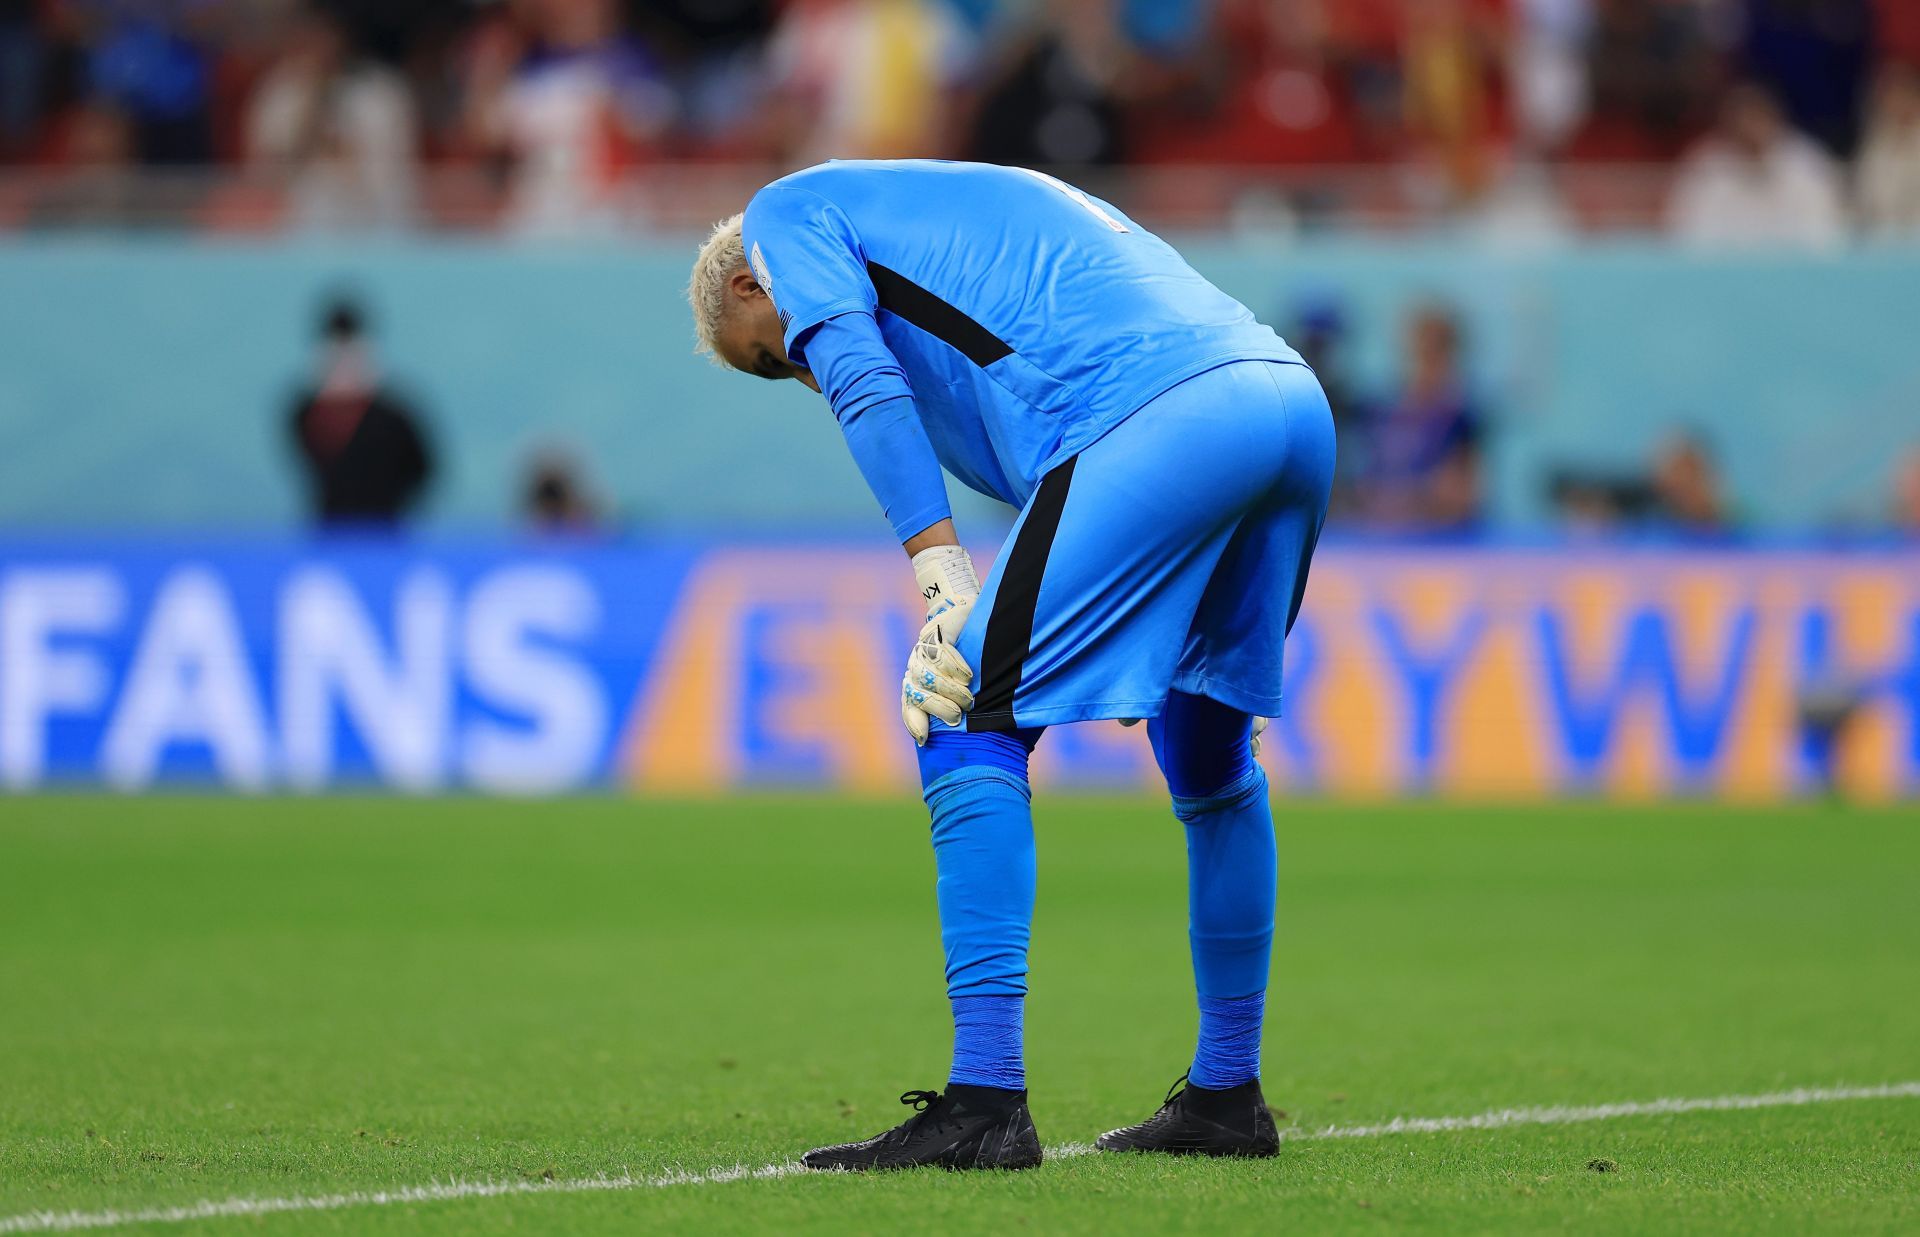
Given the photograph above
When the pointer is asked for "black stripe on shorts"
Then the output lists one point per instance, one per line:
(1003, 654)
(938, 318)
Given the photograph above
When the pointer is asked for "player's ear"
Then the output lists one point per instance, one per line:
(744, 286)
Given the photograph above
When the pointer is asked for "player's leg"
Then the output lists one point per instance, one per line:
(977, 793)
(1220, 796)
(1229, 670)
(976, 790)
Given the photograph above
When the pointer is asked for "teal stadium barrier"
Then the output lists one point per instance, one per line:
(143, 384)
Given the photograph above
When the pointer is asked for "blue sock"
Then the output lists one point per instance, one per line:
(1229, 1051)
(1220, 795)
(1230, 905)
(987, 1042)
(976, 790)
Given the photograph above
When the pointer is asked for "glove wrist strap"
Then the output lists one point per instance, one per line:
(946, 577)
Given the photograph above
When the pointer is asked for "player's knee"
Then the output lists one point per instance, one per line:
(949, 751)
(1226, 802)
(1204, 748)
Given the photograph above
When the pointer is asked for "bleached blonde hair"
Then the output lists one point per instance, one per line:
(723, 256)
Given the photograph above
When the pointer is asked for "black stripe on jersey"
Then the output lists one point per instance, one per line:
(900, 295)
(1003, 653)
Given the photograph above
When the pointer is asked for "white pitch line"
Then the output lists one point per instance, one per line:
(1500, 1118)
(213, 1209)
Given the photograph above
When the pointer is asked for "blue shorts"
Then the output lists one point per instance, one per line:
(1170, 555)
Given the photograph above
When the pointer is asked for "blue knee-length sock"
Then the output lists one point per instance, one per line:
(1231, 868)
(977, 792)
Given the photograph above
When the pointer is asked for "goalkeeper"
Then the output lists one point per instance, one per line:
(1170, 458)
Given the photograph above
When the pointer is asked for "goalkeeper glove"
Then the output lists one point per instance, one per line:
(938, 680)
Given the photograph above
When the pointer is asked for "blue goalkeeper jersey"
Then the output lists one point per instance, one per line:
(1023, 317)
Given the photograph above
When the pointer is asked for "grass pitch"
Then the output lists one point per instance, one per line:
(271, 998)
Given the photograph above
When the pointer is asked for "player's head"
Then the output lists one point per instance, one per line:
(734, 320)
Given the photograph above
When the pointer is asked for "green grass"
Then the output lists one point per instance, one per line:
(208, 998)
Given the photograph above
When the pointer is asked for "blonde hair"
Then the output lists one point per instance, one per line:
(722, 257)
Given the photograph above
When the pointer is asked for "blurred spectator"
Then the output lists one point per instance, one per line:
(1814, 57)
(1452, 60)
(366, 457)
(865, 79)
(1680, 492)
(1906, 494)
(1547, 63)
(1057, 99)
(1364, 44)
(711, 50)
(22, 51)
(1890, 158)
(1651, 68)
(1269, 87)
(1582, 505)
(394, 32)
(552, 113)
(557, 500)
(1590, 502)
(1521, 208)
(96, 188)
(1828, 708)
(1598, 500)
(570, 101)
(339, 126)
(1686, 486)
(1423, 450)
(149, 59)
(1757, 182)
(1164, 28)
(1897, 30)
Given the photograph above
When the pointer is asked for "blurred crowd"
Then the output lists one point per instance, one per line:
(1785, 120)
(1413, 454)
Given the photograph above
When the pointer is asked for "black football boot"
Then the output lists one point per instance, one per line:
(1199, 1121)
(968, 1127)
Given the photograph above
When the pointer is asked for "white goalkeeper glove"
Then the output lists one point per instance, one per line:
(1260, 725)
(938, 680)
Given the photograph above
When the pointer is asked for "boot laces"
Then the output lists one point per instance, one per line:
(927, 1107)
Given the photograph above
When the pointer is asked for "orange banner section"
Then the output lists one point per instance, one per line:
(1466, 673)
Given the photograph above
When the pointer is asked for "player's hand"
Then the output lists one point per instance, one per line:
(938, 681)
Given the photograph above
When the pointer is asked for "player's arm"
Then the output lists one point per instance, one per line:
(941, 534)
(873, 403)
(810, 260)
(811, 263)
